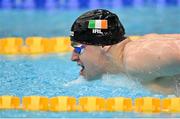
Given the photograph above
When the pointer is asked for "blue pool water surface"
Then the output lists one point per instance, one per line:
(55, 75)
(137, 21)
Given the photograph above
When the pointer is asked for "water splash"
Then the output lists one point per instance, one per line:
(120, 80)
(78, 81)
(177, 83)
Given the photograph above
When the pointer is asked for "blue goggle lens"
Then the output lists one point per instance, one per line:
(77, 50)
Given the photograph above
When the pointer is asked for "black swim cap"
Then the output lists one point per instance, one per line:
(97, 27)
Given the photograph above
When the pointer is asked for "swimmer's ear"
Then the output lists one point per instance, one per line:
(105, 48)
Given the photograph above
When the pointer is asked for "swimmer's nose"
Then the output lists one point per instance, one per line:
(75, 56)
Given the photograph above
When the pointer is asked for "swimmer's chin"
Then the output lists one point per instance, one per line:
(90, 77)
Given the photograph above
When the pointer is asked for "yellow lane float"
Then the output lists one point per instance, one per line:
(60, 44)
(91, 104)
(35, 103)
(1, 46)
(147, 105)
(36, 45)
(134, 37)
(11, 45)
(24, 50)
(119, 104)
(9, 102)
(62, 103)
(171, 105)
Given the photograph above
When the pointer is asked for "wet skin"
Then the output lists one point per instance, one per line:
(151, 59)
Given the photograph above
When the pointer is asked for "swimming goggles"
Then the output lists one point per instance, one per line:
(78, 48)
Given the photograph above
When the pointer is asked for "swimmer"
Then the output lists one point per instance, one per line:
(100, 47)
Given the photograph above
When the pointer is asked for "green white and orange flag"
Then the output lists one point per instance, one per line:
(98, 24)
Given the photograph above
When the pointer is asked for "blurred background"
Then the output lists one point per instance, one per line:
(54, 17)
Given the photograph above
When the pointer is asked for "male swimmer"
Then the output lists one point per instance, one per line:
(100, 46)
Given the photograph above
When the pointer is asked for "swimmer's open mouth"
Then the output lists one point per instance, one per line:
(82, 66)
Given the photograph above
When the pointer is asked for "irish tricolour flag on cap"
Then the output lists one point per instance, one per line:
(98, 24)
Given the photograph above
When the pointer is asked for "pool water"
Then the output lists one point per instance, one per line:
(56, 75)
(137, 21)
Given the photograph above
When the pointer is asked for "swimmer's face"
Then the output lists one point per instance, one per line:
(90, 59)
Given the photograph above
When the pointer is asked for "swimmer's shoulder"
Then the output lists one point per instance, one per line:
(123, 43)
(153, 36)
(138, 40)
